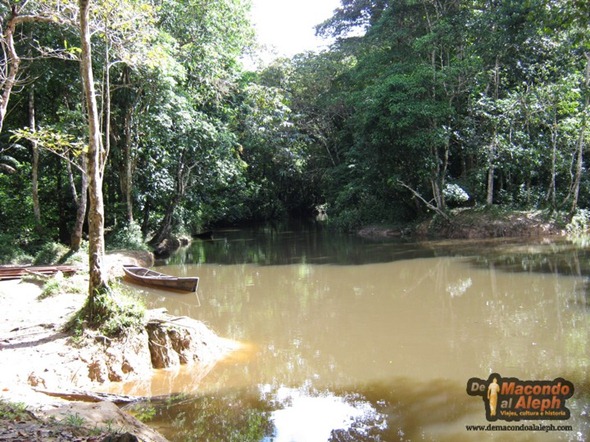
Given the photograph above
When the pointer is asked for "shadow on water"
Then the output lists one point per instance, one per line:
(399, 409)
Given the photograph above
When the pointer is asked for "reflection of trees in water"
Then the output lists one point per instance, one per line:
(280, 245)
(229, 416)
(415, 411)
(539, 331)
(561, 258)
(315, 244)
(398, 409)
(527, 329)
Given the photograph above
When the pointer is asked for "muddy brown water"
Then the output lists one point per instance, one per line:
(354, 340)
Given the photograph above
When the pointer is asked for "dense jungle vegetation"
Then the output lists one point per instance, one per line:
(419, 106)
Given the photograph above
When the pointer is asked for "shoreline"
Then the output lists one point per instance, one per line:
(474, 224)
(36, 356)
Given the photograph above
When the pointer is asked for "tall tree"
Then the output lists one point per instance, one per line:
(210, 36)
(96, 159)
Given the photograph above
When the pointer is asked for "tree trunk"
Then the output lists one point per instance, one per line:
(82, 204)
(166, 224)
(71, 179)
(11, 61)
(13, 64)
(98, 278)
(493, 145)
(581, 144)
(490, 183)
(182, 181)
(552, 191)
(107, 98)
(579, 168)
(127, 181)
(35, 165)
(581, 139)
(427, 203)
(145, 224)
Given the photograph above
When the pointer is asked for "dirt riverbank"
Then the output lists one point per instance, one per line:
(482, 223)
(36, 357)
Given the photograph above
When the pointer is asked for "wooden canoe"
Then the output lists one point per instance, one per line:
(151, 278)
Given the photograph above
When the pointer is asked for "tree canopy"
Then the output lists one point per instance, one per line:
(419, 106)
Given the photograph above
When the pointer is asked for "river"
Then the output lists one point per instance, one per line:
(349, 339)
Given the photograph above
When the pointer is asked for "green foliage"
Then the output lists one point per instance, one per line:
(124, 312)
(50, 139)
(423, 92)
(51, 253)
(446, 101)
(16, 217)
(51, 288)
(144, 412)
(579, 224)
(75, 420)
(128, 236)
(12, 411)
(11, 253)
(225, 418)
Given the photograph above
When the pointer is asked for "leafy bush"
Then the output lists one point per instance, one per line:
(356, 207)
(127, 237)
(51, 253)
(579, 223)
(10, 253)
(455, 194)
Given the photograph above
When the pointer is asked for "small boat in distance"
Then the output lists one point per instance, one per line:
(151, 278)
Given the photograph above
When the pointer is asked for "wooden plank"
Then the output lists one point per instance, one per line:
(16, 272)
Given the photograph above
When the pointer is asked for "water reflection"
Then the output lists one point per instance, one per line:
(315, 244)
(388, 345)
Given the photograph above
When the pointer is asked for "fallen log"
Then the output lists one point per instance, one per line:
(91, 396)
(117, 399)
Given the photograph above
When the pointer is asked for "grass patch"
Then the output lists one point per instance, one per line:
(13, 411)
(75, 420)
(57, 285)
(113, 312)
(72, 427)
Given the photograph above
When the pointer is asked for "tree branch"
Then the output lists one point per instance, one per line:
(421, 198)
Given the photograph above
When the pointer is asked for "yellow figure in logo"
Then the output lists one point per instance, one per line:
(493, 390)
